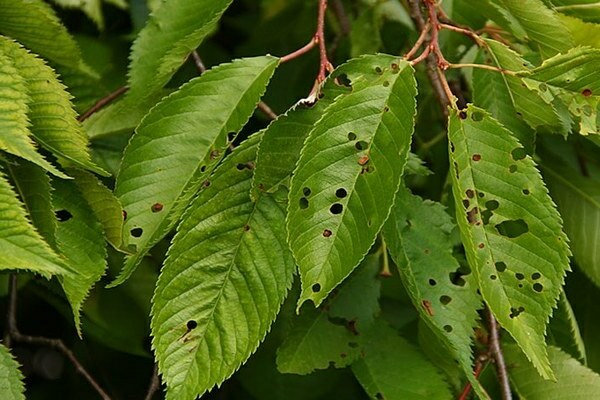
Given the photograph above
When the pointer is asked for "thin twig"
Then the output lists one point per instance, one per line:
(480, 364)
(264, 107)
(198, 62)
(465, 31)
(56, 344)
(325, 65)
(419, 43)
(154, 384)
(345, 26)
(301, 51)
(496, 353)
(103, 102)
(482, 66)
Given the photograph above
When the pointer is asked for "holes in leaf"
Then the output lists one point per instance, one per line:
(477, 116)
(432, 282)
(466, 203)
(526, 192)
(493, 277)
(136, 232)
(519, 276)
(386, 83)
(303, 203)
(341, 193)
(481, 245)
(386, 109)
(476, 157)
(515, 312)
(462, 115)
(246, 228)
(231, 136)
(492, 205)
(535, 276)
(203, 168)
(63, 215)
(452, 148)
(445, 300)
(587, 92)
(456, 278)
(343, 80)
(124, 215)
(500, 266)
(206, 184)
(448, 328)
(306, 191)
(512, 228)
(351, 136)
(361, 145)
(378, 70)
(336, 208)
(470, 193)
(485, 216)
(316, 288)
(472, 215)
(327, 233)
(156, 207)
(367, 169)
(481, 194)
(243, 166)
(538, 287)
(512, 169)
(518, 154)
(214, 154)
(191, 325)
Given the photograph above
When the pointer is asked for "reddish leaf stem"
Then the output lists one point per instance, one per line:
(480, 364)
(498, 356)
(103, 102)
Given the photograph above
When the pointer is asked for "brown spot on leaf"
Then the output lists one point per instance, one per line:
(470, 193)
(327, 233)
(587, 92)
(156, 207)
(427, 306)
(363, 160)
(472, 215)
(476, 157)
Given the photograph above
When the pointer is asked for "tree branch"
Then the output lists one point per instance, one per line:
(154, 384)
(56, 344)
(480, 364)
(103, 102)
(496, 354)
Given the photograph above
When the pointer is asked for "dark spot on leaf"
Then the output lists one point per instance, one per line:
(336, 208)
(341, 193)
(515, 312)
(481, 245)
(343, 355)
(124, 215)
(448, 328)
(470, 193)
(361, 145)
(386, 83)
(512, 228)
(485, 216)
(493, 277)
(136, 232)
(462, 115)
(526, 192)
(306, 191)
(456, 278)
(519, 276)
(395, 67)
(538, 287)
(466, 203)
(426, 251)
(535, 276)
(243, 166)
(512, 169)
(587, 92)
(342, 80)
(445, 300)
(476, 157)
(481, 194)
(472, 215)
(432, 282)
(203, 168)
(156, 207)
(492, 205)
(327, 233)
(206, 184)
(63, 215)
(518, 154)
(378, 70)
(321, 95)
(246, 228)
(386, 109)
(500, 266)
(353, 345)
(351, 136)
(477, 116)
(303, 203)
(452, 147)
(316, 288)
(214, 154)
(191, 324)
(363, 160)
(456, 170)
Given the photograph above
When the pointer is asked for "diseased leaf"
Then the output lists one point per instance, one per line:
(11, 378)
(573, 380)
(178, 145)
(224, 280)
(15, 138)
(21, 245)
(445, 293)
(53, 120)
(34, 24)
(583, 33)
(510, 228)
(588, 10)
(334, 332)
(80, 238)
(392, 368)
(348, 174)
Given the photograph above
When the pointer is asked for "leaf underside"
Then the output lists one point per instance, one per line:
(11, 378)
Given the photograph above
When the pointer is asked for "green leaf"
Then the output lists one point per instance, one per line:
(170, 35)
(53, 120)
(365, 36)
(348, 173)
(80, 238)
(15, 138)
(531, 20)
(177, 146)
(11, 378)
(578, 200)
(392, 368)
(587, 10)
(34, 24)
(224, 280)
(91, 8)
(563, 330)
(584, 33)
(573, 380)
(445, 294)
(21, 245)
(510, 228)
(496, 92)
(104, 204)
(332, 334)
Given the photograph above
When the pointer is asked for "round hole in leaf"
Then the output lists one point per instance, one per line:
(63, 215)
(492, 205)
(526, 192)
(306, 191)
(518, 154)
(361, 145)
(462, 115)
(378, 70)
(466, 203)
(203, 168)
(316, 288)
(500, 266)
(343, 80)
(445, 300)
(191, 324)
(303, 203)
(477, 116)
(519, 276)
(535, 276)
(538, 287)
(432, 282)
(136, 232)
(341, 193)
(493, 277)
(512, 228)
(351, 136)
(336, 208)
(448, 328)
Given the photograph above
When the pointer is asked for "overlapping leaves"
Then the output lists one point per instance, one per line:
(11, 379)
